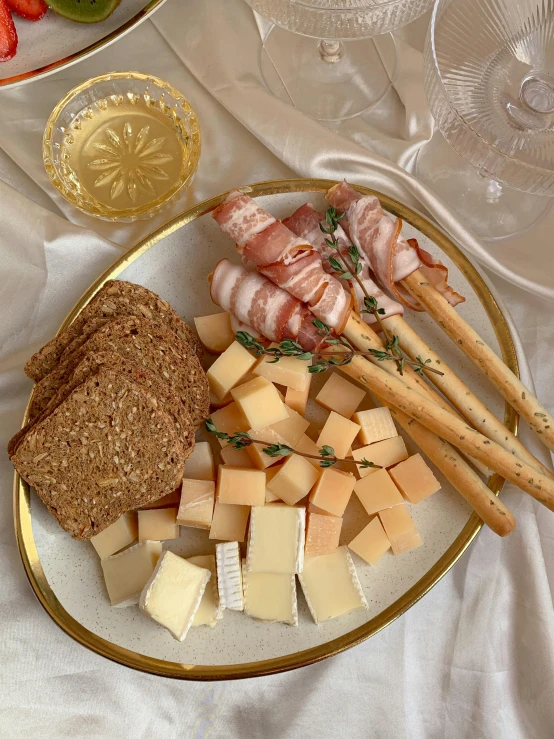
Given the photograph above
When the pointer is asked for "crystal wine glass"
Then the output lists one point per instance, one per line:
(489, 70)
(331, 59)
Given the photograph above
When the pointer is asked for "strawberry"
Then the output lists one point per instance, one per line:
(31, 10)
(8, 34)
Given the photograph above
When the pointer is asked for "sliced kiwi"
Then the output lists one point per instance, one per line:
(84, 11)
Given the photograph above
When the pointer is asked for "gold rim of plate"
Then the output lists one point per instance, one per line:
(87, 51)
(22, 510)
(102, 211)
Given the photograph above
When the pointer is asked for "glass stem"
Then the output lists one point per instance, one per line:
(330, 51)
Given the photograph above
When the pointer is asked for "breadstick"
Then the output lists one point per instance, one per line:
(483, 357)
(458, 393)
(364, 338)
(488, 507)
(452, 429)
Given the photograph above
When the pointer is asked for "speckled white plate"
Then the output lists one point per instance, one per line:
(66, 574)
(55, 42)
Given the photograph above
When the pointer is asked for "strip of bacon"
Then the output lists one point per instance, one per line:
(255, 301)
(391, 258)
(241, 218)
(305, 222)
(292, 264)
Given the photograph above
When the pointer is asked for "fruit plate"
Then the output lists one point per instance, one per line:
(66, 576)
(55, 42)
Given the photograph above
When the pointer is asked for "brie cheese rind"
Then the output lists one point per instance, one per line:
(229, 575)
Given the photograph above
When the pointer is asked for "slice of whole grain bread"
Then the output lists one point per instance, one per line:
(162, 391)
(116, 298)
(145, 343)
(107, 449)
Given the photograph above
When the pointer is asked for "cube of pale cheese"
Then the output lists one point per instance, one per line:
(173, 594)
(338, 433)
(307, 446)
(200, 463)
(331, 586)
(215, 332)
(259, 403)
(235, 457)
(269, 596)
(276, 539)
(270, 496)
(376, 424)
(288, 371)
(126, 573)
(166, 501)
(415, 479)
(383, 453)
(209, 611)
(400, 529)
(297, 400)
(340, 396)
(322, 534)
(229, 576)
(371, 543)
(240, 486)
(229, 420)
(294, 480)
(196, 508)
(377, 492)
(292, 428)
(258, 458)
(229, 522)
(120, 534)
(333, 490)
(158, 524)
(229, 369)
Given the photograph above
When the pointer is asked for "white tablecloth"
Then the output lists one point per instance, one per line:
(475, 658)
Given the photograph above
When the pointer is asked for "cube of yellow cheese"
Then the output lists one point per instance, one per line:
(229, 368)
(298, 399)
(235, 457)
(113, 538)
(229, 420)
(331, 586)
(240, 486)
(288, 371)
(340, 396)
(259, 402)
(322, 534)
(229, 522)
(383, 453)
(270, 596)
(400, 529)
(415, 479)
(158, 524)
(338, 433)
(371, 543)
(127, 572)
(270, 496)
(377, 492)
(292, 428)
(200, 463)
(174, 593)
(209, 610)
(376, 424)
(258, 458)
(196, 508)
(314, 509)
(215, 332)
(276, 539)
(307, 446)
(294, 480)
(333, 490)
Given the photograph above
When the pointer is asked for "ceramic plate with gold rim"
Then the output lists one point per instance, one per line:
(55, 42)
(65, 574)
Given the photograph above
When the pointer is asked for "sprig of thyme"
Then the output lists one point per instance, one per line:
(326, 457)
(392, 349)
